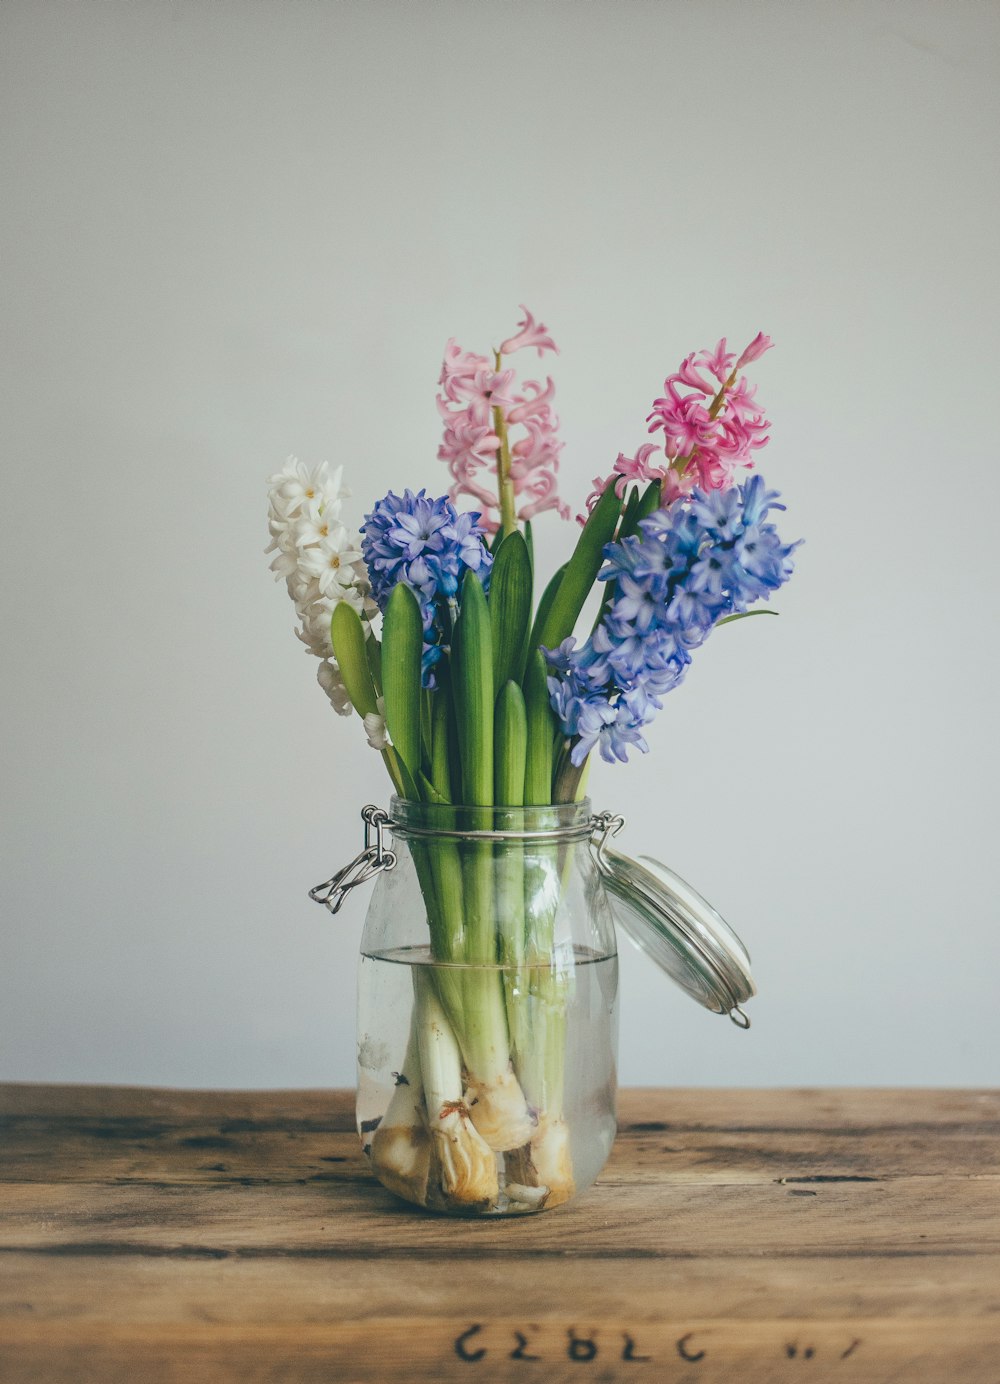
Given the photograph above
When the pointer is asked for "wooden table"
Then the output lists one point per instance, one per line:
(751, 1236)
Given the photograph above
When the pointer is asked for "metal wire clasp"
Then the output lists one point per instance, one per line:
(608, 824)
(370, 862)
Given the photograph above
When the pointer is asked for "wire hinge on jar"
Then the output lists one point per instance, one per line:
(375, 858)
(608, 824)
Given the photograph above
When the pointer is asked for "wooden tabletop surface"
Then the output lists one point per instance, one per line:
(751, 1236)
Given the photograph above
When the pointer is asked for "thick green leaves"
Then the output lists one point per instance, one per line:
(374, 651)
(402, 645)
(357, 653)
(541, 726)
(440, 756)
(510, 608)
(472, 692)
(400, 775)
(511, 745)
(581, 573)
(429, 793)
(544, 606)
(347, 635)
(627, 524)
(639, 507)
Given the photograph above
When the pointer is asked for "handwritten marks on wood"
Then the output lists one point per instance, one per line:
(582, 1347)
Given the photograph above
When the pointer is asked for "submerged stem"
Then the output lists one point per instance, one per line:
(401, 1148)
(468, 1167)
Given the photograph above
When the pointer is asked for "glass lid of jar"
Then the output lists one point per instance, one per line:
(680, 930)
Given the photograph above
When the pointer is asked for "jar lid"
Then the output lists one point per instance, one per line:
(680, 930)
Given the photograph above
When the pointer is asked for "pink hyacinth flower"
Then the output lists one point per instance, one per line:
(718, 362)
(533, 405)
(458, 371)
(531, 333)
(472, 390)
(755, 350)
(709, 432)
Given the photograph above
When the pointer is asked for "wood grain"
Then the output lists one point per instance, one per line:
(741, 1235)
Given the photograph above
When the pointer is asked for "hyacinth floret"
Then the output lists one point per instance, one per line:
(707, 555)
(429, 546)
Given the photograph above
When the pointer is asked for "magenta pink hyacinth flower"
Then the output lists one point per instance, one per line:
(710, 422)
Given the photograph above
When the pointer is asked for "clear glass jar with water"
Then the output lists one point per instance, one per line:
(487, 1016)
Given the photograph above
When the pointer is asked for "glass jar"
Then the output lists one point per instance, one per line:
(487, 1014)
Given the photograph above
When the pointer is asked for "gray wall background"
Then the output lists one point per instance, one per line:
(232, 231)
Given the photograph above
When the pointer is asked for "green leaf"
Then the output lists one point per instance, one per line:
(541, 727)
(429, 793)
(402, 780)
(440, 766)
(402, 646)
(510, 608)
(352, 648)
(581, 572)
(348, 637)
(744, 615)
(510, 745)
(644, 506)
(627, 524)
(544, 606)
(472, 692)
(425, 725)
(373, 649)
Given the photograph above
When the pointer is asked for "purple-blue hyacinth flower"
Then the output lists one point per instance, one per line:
(430, 546)
(703, 557)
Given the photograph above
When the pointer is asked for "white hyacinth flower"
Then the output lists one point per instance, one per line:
(375, 727)
(318, 559)
(315, 523)
(314, 630)
(296, 485)
(333, 561)
(328, 677)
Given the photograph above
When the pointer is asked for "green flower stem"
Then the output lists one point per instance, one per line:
(440, 742)
(472, 691)
(439, 875)
(510, 608)
(505, 486)
(498, 1109)
(402, 644)
(353, 648)
(511, 753)
(511, 745)
(541, 1048)
(467, 1166)
(567, 777)
(541, 729)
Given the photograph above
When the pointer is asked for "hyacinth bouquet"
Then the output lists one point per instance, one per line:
(476, 693)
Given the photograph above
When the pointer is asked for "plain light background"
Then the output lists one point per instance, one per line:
(238, 230)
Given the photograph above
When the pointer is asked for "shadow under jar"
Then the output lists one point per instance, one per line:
(487, 1011)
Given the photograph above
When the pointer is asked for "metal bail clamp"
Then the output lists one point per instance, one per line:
(608, 824)
(375, 858)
